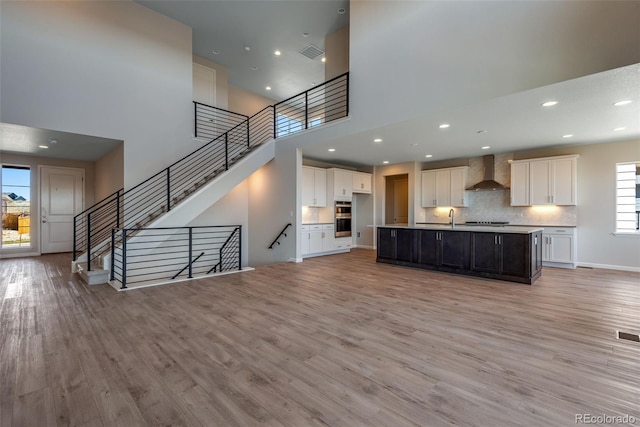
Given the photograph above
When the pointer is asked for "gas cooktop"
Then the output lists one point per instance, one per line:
(485, 223)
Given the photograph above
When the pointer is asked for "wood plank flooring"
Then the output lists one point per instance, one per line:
(337, 340)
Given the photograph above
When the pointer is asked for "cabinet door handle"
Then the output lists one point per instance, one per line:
(323, 234)
(499, 240)
(344, 191)
(552, 199)
(361, 185)
(495, 240)
(309, 236)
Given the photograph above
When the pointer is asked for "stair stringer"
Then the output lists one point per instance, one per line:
(207, 195)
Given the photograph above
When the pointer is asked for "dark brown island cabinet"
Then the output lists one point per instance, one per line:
(504, 253)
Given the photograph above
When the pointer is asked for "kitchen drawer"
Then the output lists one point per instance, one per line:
(558, 230)
(343, 243)
(327, 227)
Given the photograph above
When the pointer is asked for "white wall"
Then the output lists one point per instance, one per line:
(275, 200)
(232, 209)
(109, 69)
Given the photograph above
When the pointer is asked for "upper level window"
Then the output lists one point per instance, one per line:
(286, 126)
(627, 197)
(16, 207)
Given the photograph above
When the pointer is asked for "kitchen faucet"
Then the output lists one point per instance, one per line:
(452, 215)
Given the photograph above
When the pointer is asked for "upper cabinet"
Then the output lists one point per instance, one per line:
(361, 182)
(444, 187)
(546, 181)
(314, 186)
(340, 184)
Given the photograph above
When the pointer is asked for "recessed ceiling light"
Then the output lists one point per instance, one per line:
(549, 103)
(414, 145)
(313, 83)
(568, 135)
(385, 162)
(342, 10)
(277, 53)
(53, 141)
(332, 149)
(215, 51)
(254, 68)
(486, 147)
(625, 102)
(444, 125)
(247, 48)
(305, 34)
(377, 140)
(268, 88)
(43, 146)
(618, 129)
(429, 156)
(481, 131)
(324, 59)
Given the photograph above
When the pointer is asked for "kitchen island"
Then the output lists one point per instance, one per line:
(504, 253)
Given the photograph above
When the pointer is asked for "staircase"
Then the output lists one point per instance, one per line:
(176, 195)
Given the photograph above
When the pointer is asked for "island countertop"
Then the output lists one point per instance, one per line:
(462, 227)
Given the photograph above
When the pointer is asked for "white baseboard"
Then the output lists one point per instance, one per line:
(20, 255)
(295, 260)
(608, 266)
(364, 247)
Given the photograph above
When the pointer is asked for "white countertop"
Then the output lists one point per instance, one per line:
(477, 228)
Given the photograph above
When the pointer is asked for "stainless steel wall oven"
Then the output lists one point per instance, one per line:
(343, 219)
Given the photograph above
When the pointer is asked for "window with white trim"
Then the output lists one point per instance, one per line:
(627, 197)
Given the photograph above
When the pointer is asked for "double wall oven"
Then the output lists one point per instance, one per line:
(343, 219)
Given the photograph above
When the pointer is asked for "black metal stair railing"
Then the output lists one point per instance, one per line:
(210, 122)
(282, 233)
(140, 205)
(147, 256)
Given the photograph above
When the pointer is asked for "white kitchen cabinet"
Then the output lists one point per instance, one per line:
(458, 186)
(545, 181)
(314, 187)
(328, 237)
(520, 184)
(343, 242)
(339, 184)
(559, 247)
(311, 239)
(429, 189)
(444, 187)
(319, 239)
(361, 182)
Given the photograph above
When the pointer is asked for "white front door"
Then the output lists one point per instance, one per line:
(61, 198)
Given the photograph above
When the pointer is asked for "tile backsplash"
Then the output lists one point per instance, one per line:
(495, 206)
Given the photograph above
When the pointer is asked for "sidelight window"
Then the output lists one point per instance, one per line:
(16, 207)
(627, 197)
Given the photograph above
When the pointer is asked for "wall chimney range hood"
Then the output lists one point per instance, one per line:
(488, 183)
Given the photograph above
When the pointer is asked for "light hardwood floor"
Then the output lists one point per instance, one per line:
(337, 340)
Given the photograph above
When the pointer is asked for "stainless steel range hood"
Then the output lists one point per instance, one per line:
(488, 183)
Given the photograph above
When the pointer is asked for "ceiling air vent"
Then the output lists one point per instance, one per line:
(312, 52)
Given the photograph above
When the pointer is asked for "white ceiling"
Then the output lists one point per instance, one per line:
(264, 26)
(26, 140)
(514, 122)
(479, 65)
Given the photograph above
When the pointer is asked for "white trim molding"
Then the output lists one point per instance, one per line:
(608, 266)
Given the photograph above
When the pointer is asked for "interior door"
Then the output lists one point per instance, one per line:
(401, 201)
(61, 198)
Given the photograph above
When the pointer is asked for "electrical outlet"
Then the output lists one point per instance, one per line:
(358, 234)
